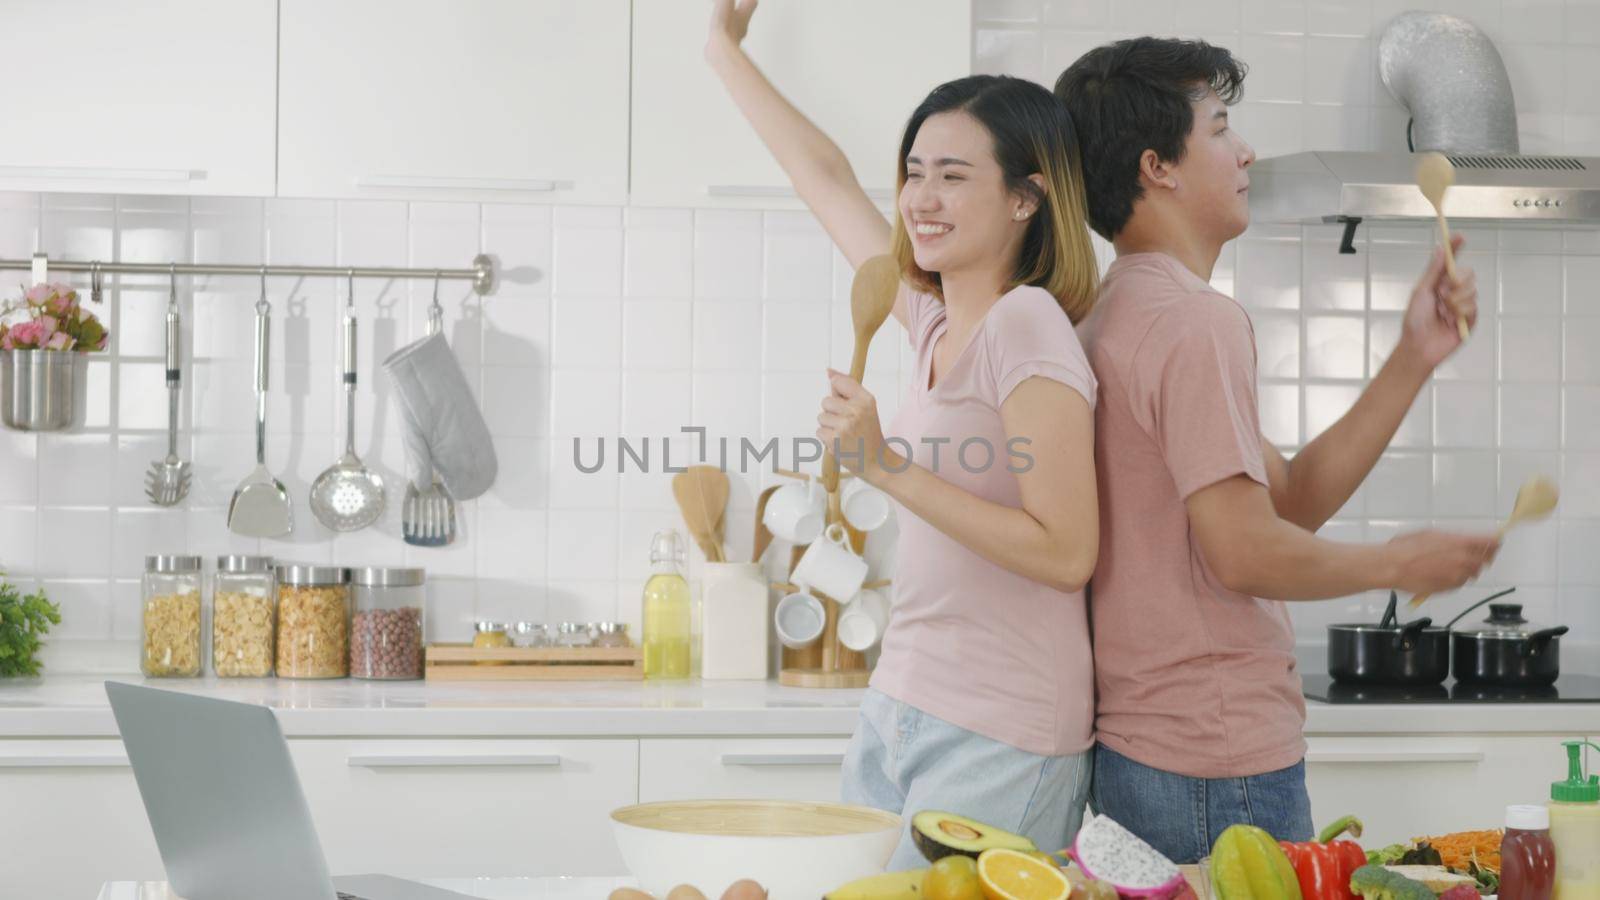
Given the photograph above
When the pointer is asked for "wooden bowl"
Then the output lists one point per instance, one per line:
(797, 851)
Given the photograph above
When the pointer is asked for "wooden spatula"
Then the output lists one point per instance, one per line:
(702, 495)
(871, 301)
(1536, 499)
(1435, 174)
(763, 537)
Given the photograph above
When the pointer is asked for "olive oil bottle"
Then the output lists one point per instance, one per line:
(666, 613)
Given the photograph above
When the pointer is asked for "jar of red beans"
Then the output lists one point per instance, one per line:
(387, 629)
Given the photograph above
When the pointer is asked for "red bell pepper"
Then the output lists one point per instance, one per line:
(1324, 866)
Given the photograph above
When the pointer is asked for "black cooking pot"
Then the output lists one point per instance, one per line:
(1503, 651)
(1388, 652)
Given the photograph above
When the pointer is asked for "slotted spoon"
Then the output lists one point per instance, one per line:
(348, 496)
(167, 482)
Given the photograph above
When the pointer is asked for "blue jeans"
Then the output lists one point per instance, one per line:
(1182, 816)
(905, 761)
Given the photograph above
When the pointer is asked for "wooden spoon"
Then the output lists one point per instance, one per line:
(1536, 499)
(702, 495)
(763, 536)
(1435, 174)
(871, 301)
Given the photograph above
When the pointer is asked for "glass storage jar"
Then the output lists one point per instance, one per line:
(531, 634)
(313, 621)
(575, 634)
(386, 632)
(244, 617)
(611, 634)
(170, 617)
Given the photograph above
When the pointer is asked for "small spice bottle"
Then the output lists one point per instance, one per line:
(574, 634)
(611, 634)
(532, 634)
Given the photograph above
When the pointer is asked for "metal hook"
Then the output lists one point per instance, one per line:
(262, 306)
(172, 289)
(95, 293)
(435, 311)
(350, 287)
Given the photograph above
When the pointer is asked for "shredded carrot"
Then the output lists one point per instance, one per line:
(1462, 848)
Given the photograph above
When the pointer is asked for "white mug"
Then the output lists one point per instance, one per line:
(799, 620)
(862, 624)
(795, 511)
(864, 506)
(830, 566)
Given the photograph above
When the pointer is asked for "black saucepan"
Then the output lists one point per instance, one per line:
(1388, 652)
(1499, 653)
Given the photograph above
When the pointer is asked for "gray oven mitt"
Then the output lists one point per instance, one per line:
(444, 429)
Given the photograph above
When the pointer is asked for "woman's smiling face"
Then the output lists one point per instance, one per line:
(955, 204)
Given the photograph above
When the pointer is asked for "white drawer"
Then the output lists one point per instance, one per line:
(72, 819)
(463, 807)
(1406, 786)
(758, 768)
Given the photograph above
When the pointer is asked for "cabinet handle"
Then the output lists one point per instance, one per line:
(451, 183)
(96, 173)
(773, 191)
(66, 761)
(405, 761)
(783, 759)
(1350, 757)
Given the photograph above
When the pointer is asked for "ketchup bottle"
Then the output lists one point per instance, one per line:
(1527, 855)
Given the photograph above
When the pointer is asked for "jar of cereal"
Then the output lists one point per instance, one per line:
(170, 618)
(386, 633)
(313, 621)
(243, 617)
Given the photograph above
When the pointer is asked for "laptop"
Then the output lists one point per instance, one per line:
(225, 803)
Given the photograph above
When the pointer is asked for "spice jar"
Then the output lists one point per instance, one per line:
(533, 634)
(313, 621)
(611, 634)
(170, 617)
(574, 634)
(386, 632)
(491, 636)
(243, 617)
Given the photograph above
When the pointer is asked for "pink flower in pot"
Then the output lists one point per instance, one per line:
(59, 341)
(25, 335)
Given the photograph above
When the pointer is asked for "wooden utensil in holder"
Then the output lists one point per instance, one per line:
(826, 663)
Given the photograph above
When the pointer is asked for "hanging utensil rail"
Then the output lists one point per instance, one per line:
(482, 274)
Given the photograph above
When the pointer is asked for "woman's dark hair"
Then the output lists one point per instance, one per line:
(1032, 135)
(1136, 95)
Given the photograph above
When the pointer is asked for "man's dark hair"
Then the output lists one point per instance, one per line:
(1132, 96)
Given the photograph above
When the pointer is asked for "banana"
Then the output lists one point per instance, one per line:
(892, 886)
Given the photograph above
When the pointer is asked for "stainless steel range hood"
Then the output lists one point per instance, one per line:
(1321, 187)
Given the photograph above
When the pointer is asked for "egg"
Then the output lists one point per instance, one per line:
(629, 894)
(685, 892)
(744, 890)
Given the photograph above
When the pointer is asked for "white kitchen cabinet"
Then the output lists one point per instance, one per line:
(139, 98)
(740, 769)
(70, 818)
(483, 100)
(1405, 786)
(437, 808)
(855, 67)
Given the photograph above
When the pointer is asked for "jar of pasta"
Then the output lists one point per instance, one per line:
(244, 617)
(313, 621)
(170, 617)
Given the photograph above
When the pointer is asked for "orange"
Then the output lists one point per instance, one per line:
(1012, 875)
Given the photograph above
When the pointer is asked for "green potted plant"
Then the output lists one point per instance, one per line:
(43, 341)
(23, 620)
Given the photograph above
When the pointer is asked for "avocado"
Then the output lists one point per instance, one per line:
(940, 834)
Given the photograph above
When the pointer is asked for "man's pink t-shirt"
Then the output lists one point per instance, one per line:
(1193, 678)
(969, 641)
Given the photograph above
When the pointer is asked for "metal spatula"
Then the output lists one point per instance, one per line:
(428, 516)
(167, 482)
(260, 505)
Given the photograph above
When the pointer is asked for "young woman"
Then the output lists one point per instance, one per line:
(983, 698)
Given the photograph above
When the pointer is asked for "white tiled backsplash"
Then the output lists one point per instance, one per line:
(636, 322)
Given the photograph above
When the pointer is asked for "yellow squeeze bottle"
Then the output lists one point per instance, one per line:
(1575, 829)
(665, 631)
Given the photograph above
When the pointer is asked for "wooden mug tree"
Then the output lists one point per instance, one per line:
(826, 663)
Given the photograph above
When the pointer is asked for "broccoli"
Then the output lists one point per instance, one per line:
(1378, 883)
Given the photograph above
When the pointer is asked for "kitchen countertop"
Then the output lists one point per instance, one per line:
(76, 706)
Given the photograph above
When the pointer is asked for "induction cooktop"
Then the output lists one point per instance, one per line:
(1567, 689)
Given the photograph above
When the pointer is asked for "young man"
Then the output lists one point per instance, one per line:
(1205, 527)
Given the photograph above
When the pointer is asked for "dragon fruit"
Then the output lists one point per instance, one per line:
(1108, 852)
